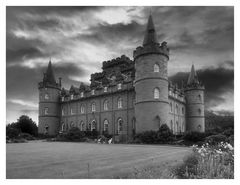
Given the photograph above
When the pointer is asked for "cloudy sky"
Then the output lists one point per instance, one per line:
(79, 39)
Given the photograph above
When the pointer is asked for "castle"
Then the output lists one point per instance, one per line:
(127, 97)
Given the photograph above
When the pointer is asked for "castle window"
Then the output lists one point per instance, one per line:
(71, 111)
(199, 97)
(199, 127)
(93, 125)
(182, 110)
(93, 107)
(105, 126)
(119, 103)
(72, 124)
(120, 126)
(171, 106)
(171, 125)
(105, 105)
(62, 111)
(46, 96)
(82, 109)
(156, 68)
(46, 111)
(62, 98)
(156, 93)
(177, 126)
(199, 111)
(93, 92)
(82, 126)
(63, 126)
(71, 96)
(176, 108)
(81, 94)
(105, 89)
(119, 86)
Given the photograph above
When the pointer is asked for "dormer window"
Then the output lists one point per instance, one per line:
(119, 86)
(105, 89)
(46, 96)
(81, 94)
(71, 96)
(93, 92)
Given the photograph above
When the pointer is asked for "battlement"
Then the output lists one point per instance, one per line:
(194, 86)
(50, 85)
(152, 48)
(122, 61)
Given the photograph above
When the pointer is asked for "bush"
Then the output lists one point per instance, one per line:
(12, 132)
(228, 132)
(215, 139)
(194, 136)
(74, 134)
(26, 136)
(91, 134)
(164, 134)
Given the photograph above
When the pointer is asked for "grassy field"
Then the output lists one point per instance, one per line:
(49, 160)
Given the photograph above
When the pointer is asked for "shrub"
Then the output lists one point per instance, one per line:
(215, 139)
(26, 136)
(12, 132)
(194, 136)
(228, 132)
(164, 134)
(74, 134)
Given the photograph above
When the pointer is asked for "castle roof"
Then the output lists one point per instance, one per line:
(49, 75)
(192, 78)
(150, 34)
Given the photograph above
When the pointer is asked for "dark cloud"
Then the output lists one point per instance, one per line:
(217, 81)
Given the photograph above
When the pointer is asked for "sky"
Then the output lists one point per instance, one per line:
(79, 39)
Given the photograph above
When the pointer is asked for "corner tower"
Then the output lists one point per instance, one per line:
(194, 92)
(49, 111)
(151, 81)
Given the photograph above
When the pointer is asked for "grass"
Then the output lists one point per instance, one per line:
(44, 160)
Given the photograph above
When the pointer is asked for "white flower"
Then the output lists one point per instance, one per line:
(229, 147)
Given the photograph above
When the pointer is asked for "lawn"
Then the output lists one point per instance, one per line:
(50, 160)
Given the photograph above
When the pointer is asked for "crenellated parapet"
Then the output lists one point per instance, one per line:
(122, 62)
(152, 49)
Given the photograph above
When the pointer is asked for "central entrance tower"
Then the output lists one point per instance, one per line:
(151, 81)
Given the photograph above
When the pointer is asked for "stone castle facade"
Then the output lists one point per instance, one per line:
(127, 97)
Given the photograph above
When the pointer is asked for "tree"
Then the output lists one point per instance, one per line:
(24, 124)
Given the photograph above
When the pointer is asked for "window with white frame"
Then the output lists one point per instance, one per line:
(119, 86)
(93, 125)
(105, 125)
(81, 94)
(105, 105)
(156, 68)
(82, 126)
(46, 96)
(82, 109)
(156, 93)
(93, 107)
(105, 89)
(120, 126)
(46, 111)
(93, 92)
(119, 103)
(63, 98)
(71, 111)
(71, 96)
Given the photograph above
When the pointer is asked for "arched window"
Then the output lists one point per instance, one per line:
(72, 124)
(46, 96)
(93, 92)
(177, 126)
(200, 97)
(199, 127)
(81, 94)
(199, 111)
(119, 103)
(82, 109)
(62, 111)
(119, 86)
(93, 125)
(134, 126)
(71, 96)
(105, 126)
(63, 126)
(105, 105)
(156, 68)
(120, 126)
(71, 111)
(93, 107)
(82, 126)
(105, 89)
(156, 93)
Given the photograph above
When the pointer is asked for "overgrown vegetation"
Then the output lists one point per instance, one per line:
(207, 161)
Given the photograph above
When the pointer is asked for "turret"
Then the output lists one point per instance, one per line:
(194, 92)
(49, 113)
(151, 81)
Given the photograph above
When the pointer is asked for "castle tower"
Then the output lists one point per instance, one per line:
(49, 113)
(151, 82)
(194, 93)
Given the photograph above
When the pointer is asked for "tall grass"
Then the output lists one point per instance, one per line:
(210, 162)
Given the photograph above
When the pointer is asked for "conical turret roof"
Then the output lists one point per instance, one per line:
(49, 75)
(192, 78)
(150, 34)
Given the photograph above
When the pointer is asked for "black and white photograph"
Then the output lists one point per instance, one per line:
(119, 92)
